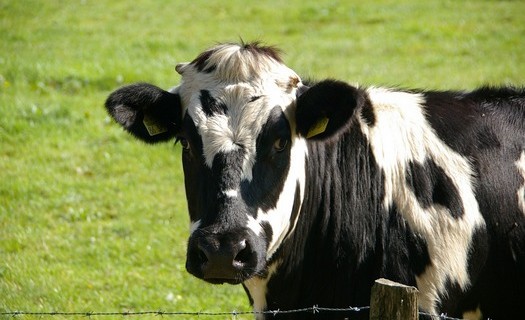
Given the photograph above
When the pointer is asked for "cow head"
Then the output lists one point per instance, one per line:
(234, 114)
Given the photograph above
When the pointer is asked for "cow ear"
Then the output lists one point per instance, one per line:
(148, 112)
(325, 108)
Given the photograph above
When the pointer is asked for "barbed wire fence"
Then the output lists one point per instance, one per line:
(389, 300)
(199, 314)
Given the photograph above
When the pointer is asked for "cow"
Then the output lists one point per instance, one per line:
(306, 192)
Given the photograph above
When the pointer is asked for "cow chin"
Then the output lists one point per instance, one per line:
(225, 257)
(223, 281)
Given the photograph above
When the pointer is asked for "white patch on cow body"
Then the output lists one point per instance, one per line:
(402, 134)
(257, 287)
(521, 191)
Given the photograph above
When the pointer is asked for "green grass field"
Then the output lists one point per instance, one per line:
(91, 220)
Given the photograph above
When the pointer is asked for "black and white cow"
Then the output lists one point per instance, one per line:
(307, 194)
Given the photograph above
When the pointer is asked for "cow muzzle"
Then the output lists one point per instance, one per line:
(231, 257)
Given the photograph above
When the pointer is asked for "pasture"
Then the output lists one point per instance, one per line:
(92, 220)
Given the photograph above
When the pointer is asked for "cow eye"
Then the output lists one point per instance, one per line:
(280, 144)
(184, 143)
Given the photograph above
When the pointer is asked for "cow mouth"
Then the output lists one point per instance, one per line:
(214, 273)
(224, 258)
(223, 276)
(236, 274)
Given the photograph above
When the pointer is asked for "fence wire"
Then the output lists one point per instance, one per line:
(90, 314)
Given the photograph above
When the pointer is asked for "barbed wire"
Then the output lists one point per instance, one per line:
(314, 309)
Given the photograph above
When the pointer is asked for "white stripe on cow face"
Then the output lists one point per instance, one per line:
(521, 191)
(402, 137)
(280, 217)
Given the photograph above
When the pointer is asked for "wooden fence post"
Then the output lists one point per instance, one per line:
(393, 301)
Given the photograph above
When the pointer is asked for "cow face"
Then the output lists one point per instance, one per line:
(243, 162)
(243, 165)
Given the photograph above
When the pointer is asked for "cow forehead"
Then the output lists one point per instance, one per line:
(236, 63)
(243, 86)
(241, 72)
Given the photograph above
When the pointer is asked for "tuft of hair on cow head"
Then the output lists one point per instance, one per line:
(325, 108)
(148, 112)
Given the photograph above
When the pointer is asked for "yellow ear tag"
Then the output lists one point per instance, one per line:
(318, 128)
(152, 126)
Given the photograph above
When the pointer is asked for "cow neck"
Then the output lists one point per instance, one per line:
(334, 239)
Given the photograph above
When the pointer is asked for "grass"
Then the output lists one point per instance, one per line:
(91, 220)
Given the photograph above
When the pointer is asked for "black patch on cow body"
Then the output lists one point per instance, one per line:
(487, 139)
(411, 256)
(431, 185)
(210, 105)
(418, 252)
(463, 120)
(477, 256)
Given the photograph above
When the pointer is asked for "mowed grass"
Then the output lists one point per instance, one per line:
(91, 220)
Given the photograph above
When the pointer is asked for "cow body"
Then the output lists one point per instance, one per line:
(307, 194)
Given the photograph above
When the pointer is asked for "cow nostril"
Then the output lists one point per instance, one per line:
(201, 255)
(244, 255)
